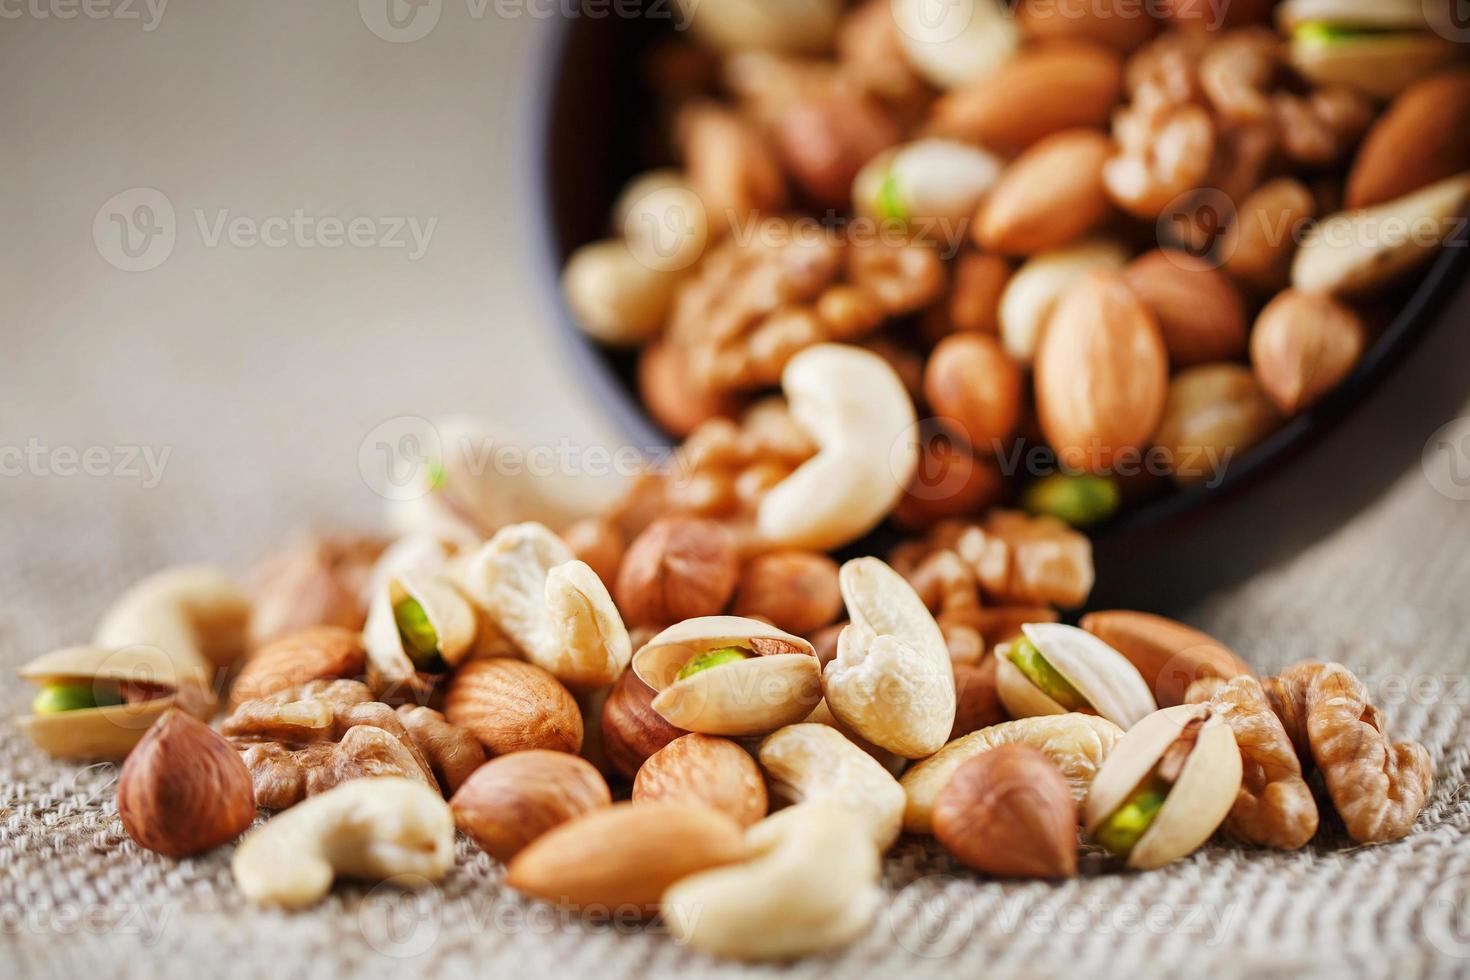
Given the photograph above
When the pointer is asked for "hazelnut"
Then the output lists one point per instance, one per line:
(678, 568)
(705, 769)
(1302, 346)
(950, 481)
(631, 730)
(184, 789)
(668, 389)
(511, 705)
(321, 653)
(1008, 812)
(598, 542)
(510, 801)
(794, 590)
(975, 387)
(825, 142)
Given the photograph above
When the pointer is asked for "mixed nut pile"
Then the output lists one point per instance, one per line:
(1135, 243)
(769, 723)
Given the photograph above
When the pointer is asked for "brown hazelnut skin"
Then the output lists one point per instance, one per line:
(511, 705)
(510, 801)
(950, 481)
(598, 542)
(975, 388)
(183, 789)
(673, 397)
(679, 568)
(794, 590)
(631, 730)
(1008, 812)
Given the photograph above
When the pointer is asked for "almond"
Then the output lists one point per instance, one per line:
(975, 388)
(510, 801)
(705, 769)
(313, 654)
(1200, 313)
(1302, 346)
(1169, 654)
(1045, 90)
(1051, 194)
(1259, 244)
(1102, 374)
(625, 856)
(1009, 812)
(1423, 138)
(511, 705)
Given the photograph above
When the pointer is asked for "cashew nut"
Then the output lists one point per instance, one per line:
(855, 408)
(892, 681)
(811, 885)
(811, 762)
(371, 828)
(552, 606)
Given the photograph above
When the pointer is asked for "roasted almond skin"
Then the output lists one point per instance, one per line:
(1009, 812)
(511, 705)
(624, 856)
(1423, 138)
(1102, 374)
(1169, 654)
(183, 789)
(512, 800)
(1052, 87)
(1200, 312)
(1049, 195)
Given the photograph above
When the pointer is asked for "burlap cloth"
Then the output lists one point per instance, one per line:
(262, 371)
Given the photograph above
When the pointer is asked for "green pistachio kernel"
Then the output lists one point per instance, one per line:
(1323, 32)
(712, 658)
(420, 639)
(1121, 832)
(890, 200)
(75, 695)
(1080, 499)
(1029, 661)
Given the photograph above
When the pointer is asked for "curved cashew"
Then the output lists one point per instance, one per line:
(371, 828)
(852, 404)
(552, 606)
(810, 886)
(811, 762)
(892, 681)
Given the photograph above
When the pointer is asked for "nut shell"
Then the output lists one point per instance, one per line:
(510, 705)
(509, 802)
(1009, 812)
(704, 769)
(184, 789)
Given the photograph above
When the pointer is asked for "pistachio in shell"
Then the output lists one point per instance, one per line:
(418, 626)
(1053, 669)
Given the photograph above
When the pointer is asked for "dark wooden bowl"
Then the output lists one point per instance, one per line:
(583, 125)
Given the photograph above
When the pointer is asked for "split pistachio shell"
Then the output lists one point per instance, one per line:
(1199, 799)
(1355, 252)
(778, 686)
(1105, 678)
(928, 180)
(552, 606)
(1379, 47)
(110, 732)
(1076, 743)
(448, 612)
(892, 681)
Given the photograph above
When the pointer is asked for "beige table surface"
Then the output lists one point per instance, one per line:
(252, 374)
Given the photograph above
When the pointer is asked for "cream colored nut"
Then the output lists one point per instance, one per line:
(376, 828)
(510, 801)
(1106, 682)
(1077, 743)
(892, 762)
(554, 607)
(705, 769)
(1199, 799)
(855, 408)
(1032, 293)
(775, 25)
(1302, 346)
(777, 684)
(1354, 252)
(663, 221)
(891, 681)
(810, 762)
(1050, 195)
(392, 665)
(926, 181)
(1214, 413)
(145, 680)
(963, 42)
(810, 884)
(614, 297)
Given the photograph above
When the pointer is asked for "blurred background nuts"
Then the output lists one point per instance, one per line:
(1200, 313)
(1302, 346)
(794, 590)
